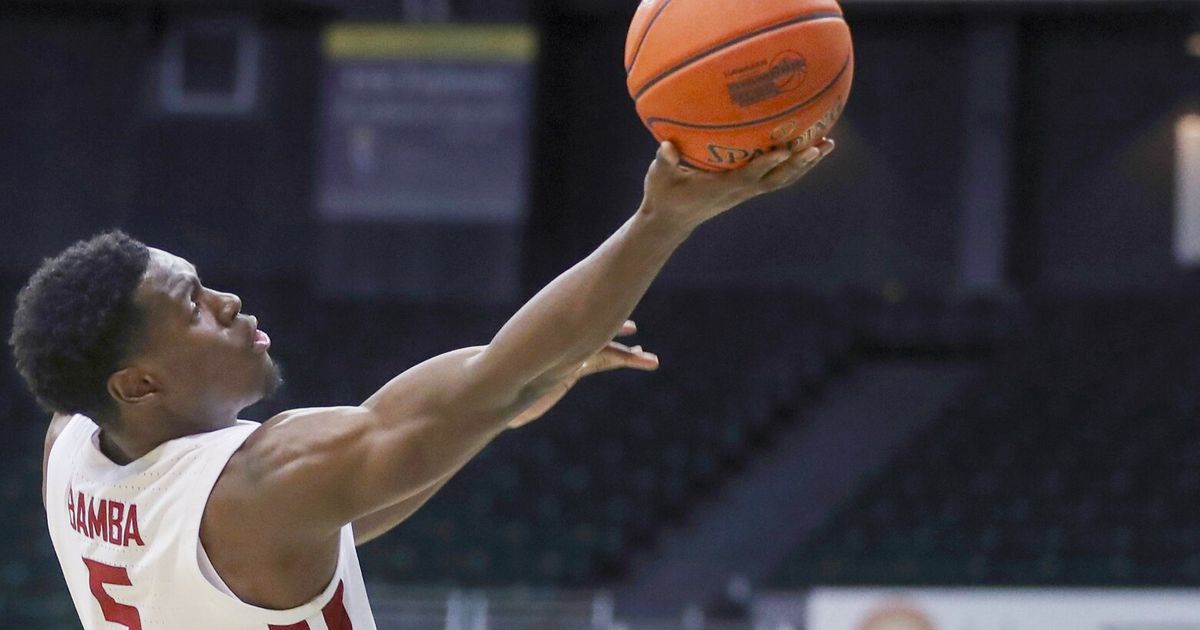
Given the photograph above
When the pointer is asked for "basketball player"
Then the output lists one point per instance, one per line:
(168, 512)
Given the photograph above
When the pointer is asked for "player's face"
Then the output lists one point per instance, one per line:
(206, 355)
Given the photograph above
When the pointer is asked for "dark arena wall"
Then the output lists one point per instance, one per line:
(1091, 160)
(993, 238)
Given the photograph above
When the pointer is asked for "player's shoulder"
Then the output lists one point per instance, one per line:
(277, 477)
(264, 516)
(293, 435)
(309, 413)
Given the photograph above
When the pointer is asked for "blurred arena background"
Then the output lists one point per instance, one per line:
(949, 381)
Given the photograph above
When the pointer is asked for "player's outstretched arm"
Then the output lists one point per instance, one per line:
(319, 469)
(567, 322)
(614, 356)
(583, 308)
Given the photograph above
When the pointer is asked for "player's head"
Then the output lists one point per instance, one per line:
(114, 329)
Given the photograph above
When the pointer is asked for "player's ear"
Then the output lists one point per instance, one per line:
(132, 385)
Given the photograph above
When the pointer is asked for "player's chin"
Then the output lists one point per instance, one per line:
(272, 379)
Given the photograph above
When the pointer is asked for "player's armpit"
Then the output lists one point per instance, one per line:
(376, 524)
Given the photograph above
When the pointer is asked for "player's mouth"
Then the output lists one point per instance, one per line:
(260, 342)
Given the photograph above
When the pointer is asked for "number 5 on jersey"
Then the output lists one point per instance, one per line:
(100, 574)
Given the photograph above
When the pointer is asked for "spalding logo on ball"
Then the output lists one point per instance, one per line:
(727, 81)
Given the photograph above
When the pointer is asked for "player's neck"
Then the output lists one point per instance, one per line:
(128, 444)
(119, 451)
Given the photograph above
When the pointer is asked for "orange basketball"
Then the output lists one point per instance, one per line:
(728, 80)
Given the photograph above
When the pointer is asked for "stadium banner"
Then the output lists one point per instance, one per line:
(426, 122)
(981, 609)
(423, 174)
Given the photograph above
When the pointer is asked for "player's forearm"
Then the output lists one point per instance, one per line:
(378, 523)
(582, 309)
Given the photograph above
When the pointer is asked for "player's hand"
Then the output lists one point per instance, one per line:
(613, 356)
(688, 197)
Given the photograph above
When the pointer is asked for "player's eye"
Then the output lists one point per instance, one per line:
(195, 300)
(196, 304)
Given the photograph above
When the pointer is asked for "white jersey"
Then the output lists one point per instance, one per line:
(128, 540)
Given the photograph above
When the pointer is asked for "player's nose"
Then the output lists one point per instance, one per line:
(231, 306)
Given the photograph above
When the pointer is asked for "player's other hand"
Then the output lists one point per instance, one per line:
(688, 197)
(614, 356)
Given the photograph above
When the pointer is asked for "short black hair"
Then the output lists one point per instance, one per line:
(76, 320)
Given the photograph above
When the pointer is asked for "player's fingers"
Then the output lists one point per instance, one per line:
(616, 345)
(606, 359)
(793, 168)
(668, 154)
(806, 157)
(827, 146)
(791, 171)
(763, 164)
(617, 356)
(797, 164)
(628, 328)
(642, 360)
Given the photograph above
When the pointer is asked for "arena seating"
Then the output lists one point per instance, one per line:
(1075, 461)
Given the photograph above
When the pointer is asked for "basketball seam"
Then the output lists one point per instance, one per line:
(650, 122)
(726, 44)
(637, 51)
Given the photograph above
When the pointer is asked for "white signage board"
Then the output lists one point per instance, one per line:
(1187, 190)
(982, 609)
